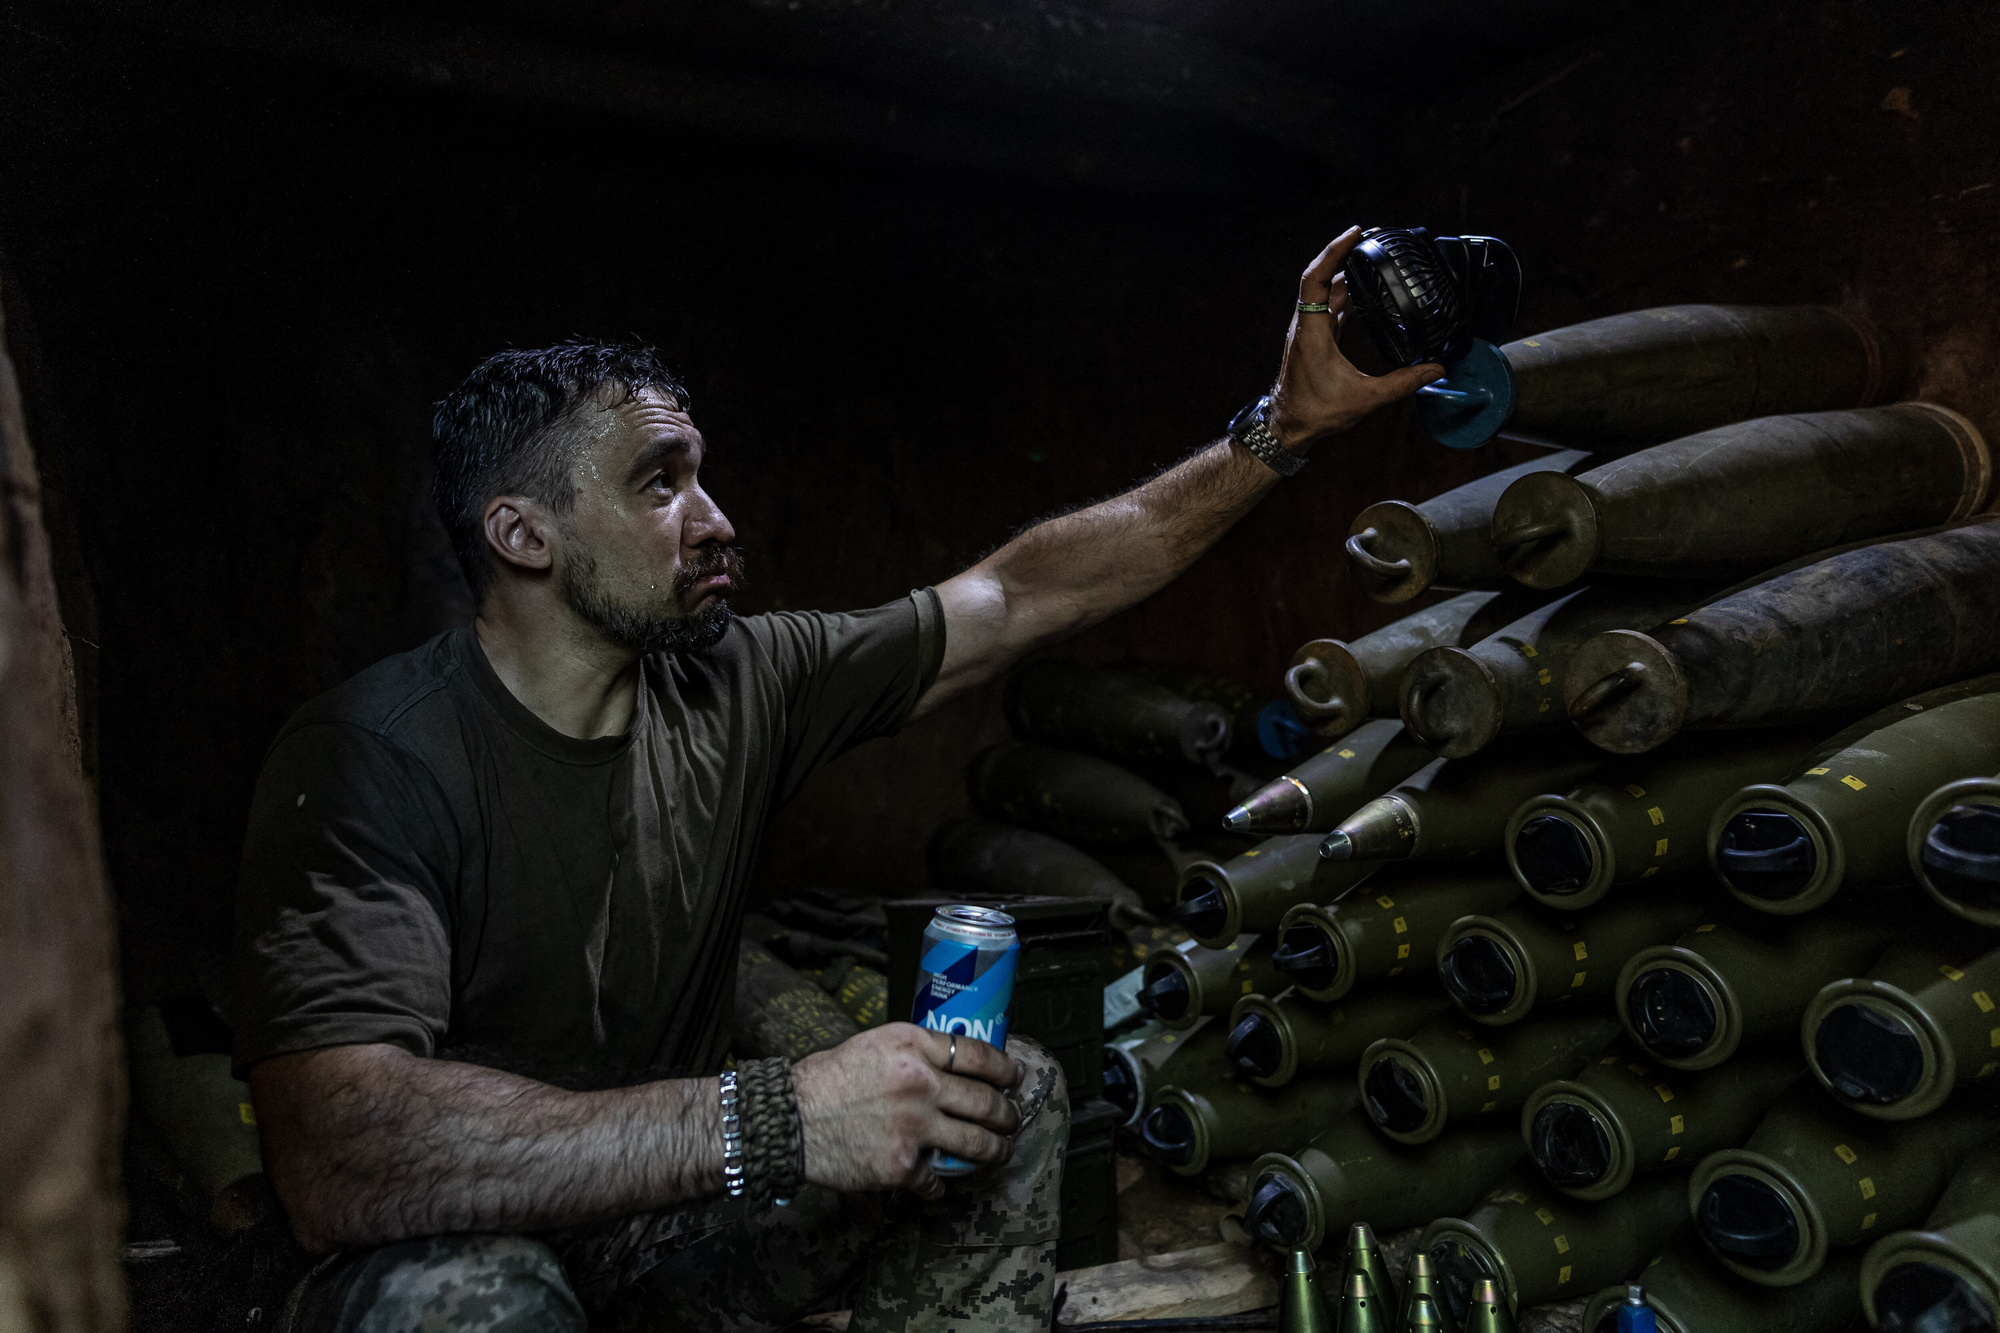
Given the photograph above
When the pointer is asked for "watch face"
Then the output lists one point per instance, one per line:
(1252, 412)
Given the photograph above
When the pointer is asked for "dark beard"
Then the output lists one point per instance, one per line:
(644, 631)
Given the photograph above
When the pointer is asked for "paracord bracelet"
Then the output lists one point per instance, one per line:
(732, 1137)
(774, 1147)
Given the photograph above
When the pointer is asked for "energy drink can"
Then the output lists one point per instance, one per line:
(965, 984)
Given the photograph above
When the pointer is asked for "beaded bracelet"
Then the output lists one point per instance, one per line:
(732, 1137)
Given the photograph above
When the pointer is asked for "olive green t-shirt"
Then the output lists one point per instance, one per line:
(430, 864)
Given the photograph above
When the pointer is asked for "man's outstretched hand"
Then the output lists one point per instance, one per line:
(1319, 391)
(872, 1105)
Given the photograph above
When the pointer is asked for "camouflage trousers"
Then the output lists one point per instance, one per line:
(980, 1258)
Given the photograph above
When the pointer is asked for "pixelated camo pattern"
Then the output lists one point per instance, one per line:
(979, 1260)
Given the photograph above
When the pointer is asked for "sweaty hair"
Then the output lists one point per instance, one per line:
(507, 431)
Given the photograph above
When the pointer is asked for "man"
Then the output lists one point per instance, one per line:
(492, 888)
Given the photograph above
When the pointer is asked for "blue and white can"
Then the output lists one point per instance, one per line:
(965, 985)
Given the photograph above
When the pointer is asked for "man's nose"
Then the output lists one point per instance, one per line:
(707, 524)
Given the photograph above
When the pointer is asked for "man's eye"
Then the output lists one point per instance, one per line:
(662, 483)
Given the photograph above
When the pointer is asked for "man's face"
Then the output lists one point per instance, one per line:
(645, 554)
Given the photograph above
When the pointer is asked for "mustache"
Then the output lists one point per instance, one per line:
(712, 561)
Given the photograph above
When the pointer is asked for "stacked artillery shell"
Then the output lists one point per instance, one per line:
(1592, 1135)
(1302, 1306)
(1895, 1043)
(1275, 1039)
(1814, 1177)
(1690, 1293)
(1138, 1065)
(1182, 986)
(1391, 926)
(1068, 795)
(1458, 701)
(1210, 1118)
(1855, 630)
(1337, 685)
(1640, 817)
(1455, 807)
(1945, 1277)
(1652, 375)
(780, 1012)
(1691, 1004)
(200, 1114)
(1450, 1070)
(1366, 1261)
(1324, 789)
(1954, 848)
(1398, 550)
(1239, 701)
(1117, 713)
(1423, 1300)
(1541, 1245)
(1500, 968)
(1348, 1173)
(1745, 497)
(1252, 892)
(1845, 818)
(979, 856)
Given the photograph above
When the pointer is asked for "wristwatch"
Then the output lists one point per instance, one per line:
(1249, 429)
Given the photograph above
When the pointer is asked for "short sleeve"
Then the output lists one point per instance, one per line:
(848, 677)
(341, 934)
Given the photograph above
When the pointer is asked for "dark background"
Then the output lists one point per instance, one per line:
(931, 270)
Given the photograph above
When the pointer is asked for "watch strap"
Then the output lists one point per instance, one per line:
(1255, 436)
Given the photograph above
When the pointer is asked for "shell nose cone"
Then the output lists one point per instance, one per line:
(1553, 855)
(1276, 1214)
(1749, 1221)
(1306, 957)
(1923, 1298)
(1962, 856)
(1166, 996)
(1569, 1145)
(1479, 974)
(1767, 854)
(1169, 1133)
(1255, 1046)
(1337, 847)
(1868, 1055)
(1672, 1013)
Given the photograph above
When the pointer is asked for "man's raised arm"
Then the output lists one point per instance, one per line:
(1068, 573)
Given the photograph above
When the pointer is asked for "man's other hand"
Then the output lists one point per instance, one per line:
(874, 1104)
(1319, 391)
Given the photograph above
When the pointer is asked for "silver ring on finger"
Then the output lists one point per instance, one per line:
(952, 1059)
(1315, 308)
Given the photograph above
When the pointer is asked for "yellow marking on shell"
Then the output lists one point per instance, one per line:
(1990, 1065)
(1682, 621)
(1609, 1060)
(1867, 1187)
(1167, 1039)
(1489, 1106)
(1493, 1083)
(1542, 676)
(1576, 981)
(1562, 1244)
(1666, 1092)
(1851, 781)
(1657, 815)
(1385, 901)
(1344, 754)
(1868, 1221)
(1515, 1197)
(1993, 1038)
(1397, 971)
(1402, 951)
(1581, 952)
(1678, 1124)
(1950, 973)
(1703, 930)
(1818, 772)
(1983, 1000)
(1637, 1068)
(1402, 925)
(1563, 1276)
(1532, 342)
(1649, 872)
(1544, 1216)
(1527, 650)
(1635, 791)
(1253, 852)
(1546, 703)
(1845, 1153)
(1660, 847)
(1485, 1056)
(1246, 987)
(246, 1113)
(1674, 1151)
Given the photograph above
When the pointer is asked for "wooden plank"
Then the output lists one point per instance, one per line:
(1211, 1280)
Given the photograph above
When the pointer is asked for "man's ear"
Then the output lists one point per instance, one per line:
(521, 531)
